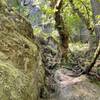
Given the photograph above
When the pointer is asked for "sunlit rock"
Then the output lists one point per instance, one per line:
(75, 88)
(21, 70)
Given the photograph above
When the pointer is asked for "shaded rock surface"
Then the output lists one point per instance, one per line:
(21, 70)
(74, 88)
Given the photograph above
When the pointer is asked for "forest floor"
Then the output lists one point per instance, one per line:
(79, 57)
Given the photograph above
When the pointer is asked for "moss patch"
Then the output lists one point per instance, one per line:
(21, 70)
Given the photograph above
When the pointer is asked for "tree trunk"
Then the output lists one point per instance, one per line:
(96, 11)
(96, 55)
(84, 20)
(90, 41)
(61, 27)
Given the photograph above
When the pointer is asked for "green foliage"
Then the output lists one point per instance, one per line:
(72, 19)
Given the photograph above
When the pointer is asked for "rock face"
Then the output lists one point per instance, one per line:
(75, 88)
(21, 70)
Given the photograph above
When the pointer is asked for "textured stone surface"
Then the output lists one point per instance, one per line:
(21, 70)
(75, 88)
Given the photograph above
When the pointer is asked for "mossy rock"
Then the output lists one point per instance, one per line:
(21, 70)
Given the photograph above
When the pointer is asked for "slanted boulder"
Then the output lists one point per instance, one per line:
(75, 88)
(21, 69)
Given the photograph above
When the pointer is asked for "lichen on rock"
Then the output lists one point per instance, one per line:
(21, 69)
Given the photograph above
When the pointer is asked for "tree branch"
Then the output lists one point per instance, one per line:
(80, 14)
(96, 55)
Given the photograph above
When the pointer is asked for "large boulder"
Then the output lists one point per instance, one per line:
(21, 70)
(75, 88)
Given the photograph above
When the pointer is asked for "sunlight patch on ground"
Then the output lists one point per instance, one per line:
(64, 78)
(78, 47)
